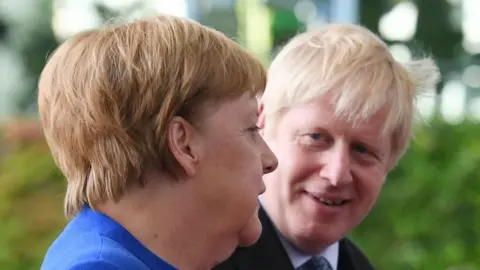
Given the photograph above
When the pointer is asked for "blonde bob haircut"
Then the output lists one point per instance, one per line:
(107, 96)
(358, 72)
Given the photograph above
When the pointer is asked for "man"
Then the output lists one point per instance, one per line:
(337, 112)
(131, 114)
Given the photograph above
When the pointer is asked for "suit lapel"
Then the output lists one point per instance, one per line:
(351, 258)
(344, 260)
(267, 253)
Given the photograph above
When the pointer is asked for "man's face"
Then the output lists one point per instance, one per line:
(329, 175)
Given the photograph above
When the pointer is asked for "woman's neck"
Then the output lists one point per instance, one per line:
(170, 227)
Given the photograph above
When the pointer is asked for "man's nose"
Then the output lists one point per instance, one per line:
(336, 165)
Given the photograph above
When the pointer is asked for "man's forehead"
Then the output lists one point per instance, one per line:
(324, 110)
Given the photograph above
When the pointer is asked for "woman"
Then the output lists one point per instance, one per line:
(153, 123)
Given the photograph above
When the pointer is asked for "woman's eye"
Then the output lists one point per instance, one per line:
(254, 128)
(253, 131)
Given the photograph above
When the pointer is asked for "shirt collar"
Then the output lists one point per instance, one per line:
(298, 258)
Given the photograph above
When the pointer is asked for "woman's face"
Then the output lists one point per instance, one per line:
(234, 159)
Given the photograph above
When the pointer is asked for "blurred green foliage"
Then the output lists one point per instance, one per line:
(428, 214)
(31, 201)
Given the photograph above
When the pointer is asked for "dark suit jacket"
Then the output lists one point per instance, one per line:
(268, 253)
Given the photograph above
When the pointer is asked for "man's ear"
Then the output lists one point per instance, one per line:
(181, 142)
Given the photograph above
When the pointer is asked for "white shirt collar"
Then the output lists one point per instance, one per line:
(298, 258)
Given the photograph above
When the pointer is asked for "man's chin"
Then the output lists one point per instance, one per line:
(251, 232)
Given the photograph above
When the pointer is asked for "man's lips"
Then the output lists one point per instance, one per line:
(328, 199)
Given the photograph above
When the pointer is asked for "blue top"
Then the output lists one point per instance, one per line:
(94, 241)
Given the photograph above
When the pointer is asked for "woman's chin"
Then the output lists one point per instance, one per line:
(251, 232)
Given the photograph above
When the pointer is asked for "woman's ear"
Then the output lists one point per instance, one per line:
(181, 141)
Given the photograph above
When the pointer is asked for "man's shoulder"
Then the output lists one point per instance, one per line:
(350, 255)
(75, 250)
(269, 253)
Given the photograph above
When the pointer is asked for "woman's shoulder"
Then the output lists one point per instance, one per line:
(94, 265)
(89, 251)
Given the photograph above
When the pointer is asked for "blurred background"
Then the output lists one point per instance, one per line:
(428, 216)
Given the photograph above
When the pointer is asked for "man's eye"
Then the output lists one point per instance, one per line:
(361, 149)
(315, 136)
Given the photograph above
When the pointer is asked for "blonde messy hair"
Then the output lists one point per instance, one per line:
(357, 70)
(106, 98)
